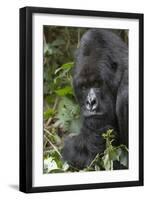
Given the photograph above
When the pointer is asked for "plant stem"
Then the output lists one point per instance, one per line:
(50, 118)
(78, 43)
(48, 132)
(93, 161)
(55, 148)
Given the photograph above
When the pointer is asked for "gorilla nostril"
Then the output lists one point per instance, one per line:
(87, 102)
(93, 102)
(89, 105)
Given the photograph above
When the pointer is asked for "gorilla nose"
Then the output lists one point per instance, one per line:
(91, 105)
(91, 102)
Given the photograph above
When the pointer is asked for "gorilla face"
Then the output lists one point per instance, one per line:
(94, 96)
(95, 99)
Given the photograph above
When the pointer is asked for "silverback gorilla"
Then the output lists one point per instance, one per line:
(100, 80)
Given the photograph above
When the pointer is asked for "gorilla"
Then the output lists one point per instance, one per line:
(100, 81)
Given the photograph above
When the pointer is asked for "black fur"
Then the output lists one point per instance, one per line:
(101, 73)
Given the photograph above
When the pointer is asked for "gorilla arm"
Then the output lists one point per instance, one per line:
(80, 150)
(122, 109)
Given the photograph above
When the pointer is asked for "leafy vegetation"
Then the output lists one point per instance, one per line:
(105, 161)
(61, 112)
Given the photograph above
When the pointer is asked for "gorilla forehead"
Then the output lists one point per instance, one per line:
(90, 57)
(86, 74)
(88, 68)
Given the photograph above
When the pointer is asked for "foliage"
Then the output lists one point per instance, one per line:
(61, 112)
(111, 153)
(53, 162)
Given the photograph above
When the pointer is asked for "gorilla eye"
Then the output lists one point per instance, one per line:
(83, 87)
(98, 83)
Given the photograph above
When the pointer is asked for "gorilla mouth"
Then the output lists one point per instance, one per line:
(99, 115)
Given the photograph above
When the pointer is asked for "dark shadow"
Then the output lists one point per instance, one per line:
(14, 187)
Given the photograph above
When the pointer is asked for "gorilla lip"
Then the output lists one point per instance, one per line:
(99, 115)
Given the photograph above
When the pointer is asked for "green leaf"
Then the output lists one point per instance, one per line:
(49, 113)
(68, 90)
(67, 65)
(65, 166)
(107, 162)
(75, 126)
(48, 49)
(67, 112)
(50, 164)
(108, 135)
(97, 168)
(57, 70)
(114, 154)
(63, 119)
(56, 170)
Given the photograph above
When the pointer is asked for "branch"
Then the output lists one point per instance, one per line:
(93, 161)
(54, 147)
